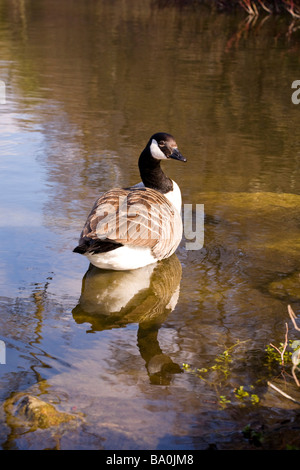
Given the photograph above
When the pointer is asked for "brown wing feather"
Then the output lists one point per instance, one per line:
(140, 217)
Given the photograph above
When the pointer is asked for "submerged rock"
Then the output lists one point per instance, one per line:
(40, 413)
(288, 287)
(263, 227)
(28, 410)
(38, 425)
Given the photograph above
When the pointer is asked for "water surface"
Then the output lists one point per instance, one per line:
(87, 84)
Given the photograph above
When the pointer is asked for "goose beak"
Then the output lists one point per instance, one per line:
(177, 155)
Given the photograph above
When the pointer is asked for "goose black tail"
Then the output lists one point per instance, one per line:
(97, 246)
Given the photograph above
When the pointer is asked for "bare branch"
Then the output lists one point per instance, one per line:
(293, 317)
(284, 346)
(294, 375)
(264, 6)
(283, 393)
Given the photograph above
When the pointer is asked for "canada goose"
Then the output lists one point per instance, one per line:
(133, 227)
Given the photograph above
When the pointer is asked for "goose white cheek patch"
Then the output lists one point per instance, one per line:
(156, 152)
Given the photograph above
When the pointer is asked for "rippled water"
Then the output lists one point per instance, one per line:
(137, 356)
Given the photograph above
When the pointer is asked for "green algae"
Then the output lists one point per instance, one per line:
(255, 221)
(288, 287)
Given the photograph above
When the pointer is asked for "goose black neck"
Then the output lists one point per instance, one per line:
(152, 174)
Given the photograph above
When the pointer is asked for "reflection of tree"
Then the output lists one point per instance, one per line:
(81, 82)
(251, 7)
(146, 296)
(254, 7)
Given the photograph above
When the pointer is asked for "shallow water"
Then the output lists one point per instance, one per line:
(86, 85)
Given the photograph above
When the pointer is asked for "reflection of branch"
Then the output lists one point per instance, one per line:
(244, 28)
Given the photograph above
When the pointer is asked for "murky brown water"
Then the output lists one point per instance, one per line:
(87, 83)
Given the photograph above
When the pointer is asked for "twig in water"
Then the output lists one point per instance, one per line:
(297, 354)
(293, 317)
(284, 346)
(294, 375)
(283, 393)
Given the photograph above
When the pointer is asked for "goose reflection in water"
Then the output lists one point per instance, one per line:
(113, 299)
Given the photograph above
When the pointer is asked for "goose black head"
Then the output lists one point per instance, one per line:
(163, 146)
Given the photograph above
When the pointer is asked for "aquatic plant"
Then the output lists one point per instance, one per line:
(286, 355)
(254, 436)
(222, 367)
(287, 358)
